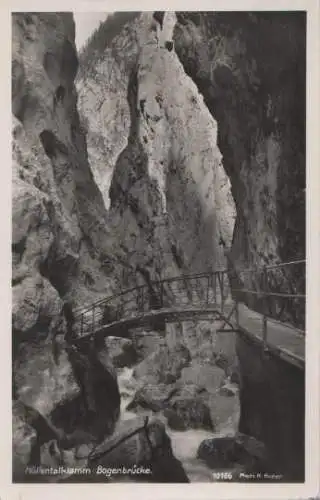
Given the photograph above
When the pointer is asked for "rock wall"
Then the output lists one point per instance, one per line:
(167, 186)
(250, 68)
(272, 400)
(58, 222)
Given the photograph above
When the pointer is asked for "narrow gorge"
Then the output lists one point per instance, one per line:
(169, 146)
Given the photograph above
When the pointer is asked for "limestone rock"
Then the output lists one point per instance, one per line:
(203, 376)
(147, 444)
(163, 178)
(145, 342)
(163, 365)
(226, 452)
(260, 137)
(153, 397)
(23, 438)
(121, 351)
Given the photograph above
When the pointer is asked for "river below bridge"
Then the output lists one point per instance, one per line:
(184, 443)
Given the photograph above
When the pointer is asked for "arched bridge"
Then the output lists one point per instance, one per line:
(265, 303)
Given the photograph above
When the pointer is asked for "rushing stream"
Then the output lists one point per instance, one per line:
(184, 443)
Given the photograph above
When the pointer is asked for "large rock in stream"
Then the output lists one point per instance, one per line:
(139, 450)
(164, 365)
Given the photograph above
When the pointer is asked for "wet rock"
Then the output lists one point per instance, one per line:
(164, 365)
(24, 438)
(217, 452)
(153, 397)
(97, 408)
(267, 150)
(146, 342)
(140, 442)
(121, 351)
(175, 421)
(203, 376)
(233, 451)
(189, 408)
(43, 377)
(140, 445)
(229, 390)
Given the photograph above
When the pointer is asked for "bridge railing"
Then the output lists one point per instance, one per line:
(276, 291)
(199, 290)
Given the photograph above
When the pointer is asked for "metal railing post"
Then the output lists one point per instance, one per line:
(264, 318)
(93, 325)
(161, 295)
(264, 331)
(215, 287)
(222, 291)
(208, 288)
(237, 313)
(81, 325)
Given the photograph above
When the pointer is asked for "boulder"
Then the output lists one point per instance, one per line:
(140, 442)
(218, 452)
(146, 342)
(203, 376)
(233, 451)
(121, 351)
(164, 365)
(187, 411)
(229, 389)
(153, 397)
(24, 437)
(140, 445)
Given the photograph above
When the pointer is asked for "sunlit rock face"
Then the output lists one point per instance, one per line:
(169, 197)
(250, 68)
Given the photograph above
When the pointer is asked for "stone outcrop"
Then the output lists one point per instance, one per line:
(59, 228)
(167, 184)
(140, 445)
(240, 453)
(258, 101)
(121, 351)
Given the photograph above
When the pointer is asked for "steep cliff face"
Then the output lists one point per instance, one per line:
(102, 83)
(59, 219)
(250, 68)
(167, 186)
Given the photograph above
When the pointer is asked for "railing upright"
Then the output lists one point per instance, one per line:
(222, 290)
(237, 313)
(208, 287)
(264, 331)
(81, 325)
(264, 317)
(93, 318)
(161, 295)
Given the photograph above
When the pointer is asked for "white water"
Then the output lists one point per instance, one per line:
(185, 444)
